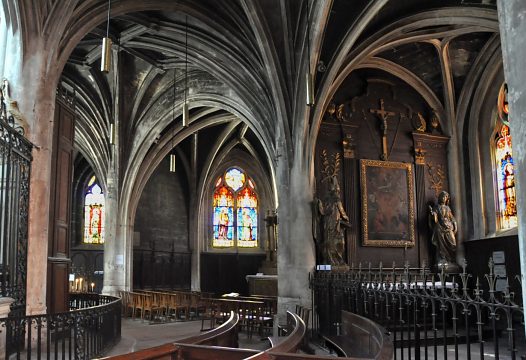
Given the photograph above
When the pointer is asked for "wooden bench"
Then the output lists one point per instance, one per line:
(290, 343)
(225, 336)
(219, 343)
(361, 337)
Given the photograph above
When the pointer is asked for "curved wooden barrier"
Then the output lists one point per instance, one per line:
(224, 335)
(292, 342)
(216, 344)
(361, 337)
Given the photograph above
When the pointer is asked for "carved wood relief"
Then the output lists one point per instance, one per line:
(385, 121)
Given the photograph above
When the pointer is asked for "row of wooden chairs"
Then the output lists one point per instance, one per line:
(255, 314)
(164, 305)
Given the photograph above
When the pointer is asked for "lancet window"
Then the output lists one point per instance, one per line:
(235, 210)
(504, 167)
(94, 214)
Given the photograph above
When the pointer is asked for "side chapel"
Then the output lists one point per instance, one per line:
(249, 146)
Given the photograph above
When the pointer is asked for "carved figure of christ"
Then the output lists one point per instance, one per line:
(383, 115)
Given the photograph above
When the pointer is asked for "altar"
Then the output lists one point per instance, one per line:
(266, 285)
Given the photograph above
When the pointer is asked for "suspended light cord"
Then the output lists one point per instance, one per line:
(185, 57)
(105, 61)
(309, 81)
(186, 114)
(173, 104)
(308, 36)
(172, 152)
(108, 22)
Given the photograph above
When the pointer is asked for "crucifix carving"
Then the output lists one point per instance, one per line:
(383, 115)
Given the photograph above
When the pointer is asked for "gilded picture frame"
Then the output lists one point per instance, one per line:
(388, 210)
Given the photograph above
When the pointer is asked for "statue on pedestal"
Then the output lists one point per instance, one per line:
(333, 217)
(444, 228)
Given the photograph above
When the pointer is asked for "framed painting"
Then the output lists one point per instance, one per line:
(388, 211)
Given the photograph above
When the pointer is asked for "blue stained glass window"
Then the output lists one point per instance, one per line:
(223, 218)
(247, 219)
(235, 195)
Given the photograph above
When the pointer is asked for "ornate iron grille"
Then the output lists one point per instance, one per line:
(429, 316)
(91, 327)
(15, 167)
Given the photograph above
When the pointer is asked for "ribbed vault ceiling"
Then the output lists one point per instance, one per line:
(245, 61)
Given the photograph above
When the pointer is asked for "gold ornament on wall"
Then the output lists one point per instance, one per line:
(422, 125)
(330, 164)
(437, 176)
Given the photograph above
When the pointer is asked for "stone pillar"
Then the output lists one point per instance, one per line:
(512, 30)
(296, 250)
(5, 308)
(119, 238)
(115, 254)
(193, 223)
(36, 98)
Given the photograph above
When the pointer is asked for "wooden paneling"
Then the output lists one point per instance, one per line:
(161, 270)
(60, 208)
(354, 131)
(478, 253)
(225, 273)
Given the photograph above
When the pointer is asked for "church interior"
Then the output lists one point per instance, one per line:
(175, 152)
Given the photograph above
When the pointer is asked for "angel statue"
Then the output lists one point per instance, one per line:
(444, 227)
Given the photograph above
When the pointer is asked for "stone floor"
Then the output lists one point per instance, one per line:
(137, 335)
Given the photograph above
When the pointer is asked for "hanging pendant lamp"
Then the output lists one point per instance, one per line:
(105, 61)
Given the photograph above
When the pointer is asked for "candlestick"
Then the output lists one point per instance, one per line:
(92, 287)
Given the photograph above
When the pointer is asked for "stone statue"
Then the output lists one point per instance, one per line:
(333, 217)
(444, 228)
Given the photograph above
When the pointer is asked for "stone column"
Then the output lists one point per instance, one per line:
(193, 223)
(115, 255)
(296, 251)
(5, 304)
(117, 260)
(36, 99)
(512, 30)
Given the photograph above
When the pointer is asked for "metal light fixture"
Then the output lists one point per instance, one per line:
(309, 78)
(112, 134)
(186, 112)
(172, 162)
(105, 61)
(172, 154)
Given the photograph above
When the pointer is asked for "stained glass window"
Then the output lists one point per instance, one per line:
(223, 218)
(235, 194)
(235, 179)
(507, 205)
(94, 214)
(247, 218)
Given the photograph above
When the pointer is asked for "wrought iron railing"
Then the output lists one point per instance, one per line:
(82, 333)
(15, 166)
(428, 315)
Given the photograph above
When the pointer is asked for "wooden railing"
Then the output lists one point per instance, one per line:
(293, 341)
(223, 336)
(220, 343)
(361, 337)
